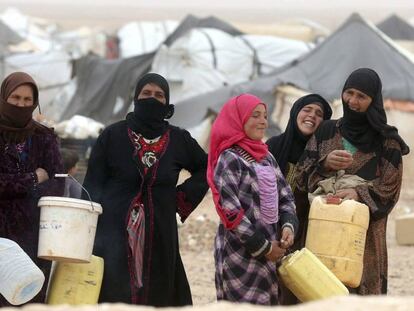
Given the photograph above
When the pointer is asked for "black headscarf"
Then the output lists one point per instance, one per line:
(367, 130)
(289, 146)
(149, 114)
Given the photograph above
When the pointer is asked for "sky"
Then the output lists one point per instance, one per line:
(113, 13)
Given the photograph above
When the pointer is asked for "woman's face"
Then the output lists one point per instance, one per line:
(309, 118)
(256, 125)
(356, 100)
(152, 90)
(22, 96)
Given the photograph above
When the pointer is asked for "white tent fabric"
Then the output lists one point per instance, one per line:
(205, 59)
(81, 41)
(137, 38)
(51, 71)
(273, 52)
(28, 28)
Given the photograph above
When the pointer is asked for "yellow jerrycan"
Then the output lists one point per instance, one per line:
(336, 235)
(308, 278)
(76, 283)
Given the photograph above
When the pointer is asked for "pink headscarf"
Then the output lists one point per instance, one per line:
(228, 130)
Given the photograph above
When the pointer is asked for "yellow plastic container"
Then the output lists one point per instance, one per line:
(336, 235)
(76, 283)
(308, 278)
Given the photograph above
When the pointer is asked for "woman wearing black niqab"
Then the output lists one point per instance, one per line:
(362, 144)
(133, 172)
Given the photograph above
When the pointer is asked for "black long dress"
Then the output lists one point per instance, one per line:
(114, 179)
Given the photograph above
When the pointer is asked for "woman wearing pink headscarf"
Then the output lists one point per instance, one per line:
(254, 202)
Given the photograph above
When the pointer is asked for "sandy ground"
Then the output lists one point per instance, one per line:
(197, 238)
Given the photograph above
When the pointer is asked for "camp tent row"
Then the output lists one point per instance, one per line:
(357, 43)
(104, 87)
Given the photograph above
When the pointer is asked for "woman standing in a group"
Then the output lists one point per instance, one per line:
(29, 158)
(306, 114)
(133, 172)
(254, 202)
(362, 144)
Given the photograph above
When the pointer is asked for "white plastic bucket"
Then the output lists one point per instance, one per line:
(20, 279)
(67, 228)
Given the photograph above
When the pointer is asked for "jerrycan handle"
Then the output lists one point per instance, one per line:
(333, 199)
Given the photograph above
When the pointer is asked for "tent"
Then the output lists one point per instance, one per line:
(397, 28)
(33, 30)
(7, 37)
(210, 58)
(104, 87)
(293, 28)
(138, 38)
(356, 43)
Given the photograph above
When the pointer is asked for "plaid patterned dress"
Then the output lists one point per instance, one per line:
(240, 275)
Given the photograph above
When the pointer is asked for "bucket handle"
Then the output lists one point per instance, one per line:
(83, 188)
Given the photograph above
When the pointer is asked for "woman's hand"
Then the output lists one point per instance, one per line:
(42, 175)
(348, 194)
(287, 237)
(338, 160)
(276, 252)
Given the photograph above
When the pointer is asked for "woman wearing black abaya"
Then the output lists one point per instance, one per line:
(362, 144)
(133, 172)
(306, 115)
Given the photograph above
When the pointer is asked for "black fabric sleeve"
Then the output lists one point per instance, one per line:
(97, 172)
(195, 187)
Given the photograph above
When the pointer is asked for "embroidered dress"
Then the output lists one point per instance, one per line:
(137, 178)
(243, 275)
(148, 152)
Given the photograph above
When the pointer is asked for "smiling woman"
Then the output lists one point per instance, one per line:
(306, 115)
(254, 203)
(256, 125)
(356, 100)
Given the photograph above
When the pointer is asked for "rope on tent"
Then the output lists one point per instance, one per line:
(257, 66)
(212, 47)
